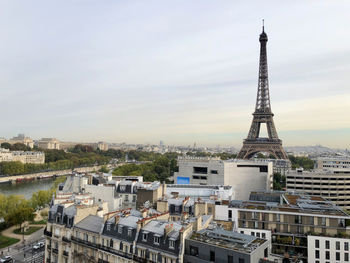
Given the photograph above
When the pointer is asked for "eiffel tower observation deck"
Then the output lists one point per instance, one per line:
(262, 114)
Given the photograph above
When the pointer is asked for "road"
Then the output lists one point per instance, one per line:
(25, 252)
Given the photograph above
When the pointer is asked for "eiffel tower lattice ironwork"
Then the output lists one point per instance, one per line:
(263, 114)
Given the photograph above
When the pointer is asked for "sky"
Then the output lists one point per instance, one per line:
(180, 71)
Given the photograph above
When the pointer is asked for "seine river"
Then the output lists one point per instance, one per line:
(26, 188)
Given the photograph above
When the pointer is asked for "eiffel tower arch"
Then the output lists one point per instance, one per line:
(262, 114)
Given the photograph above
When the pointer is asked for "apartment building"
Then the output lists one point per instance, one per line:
(243, 175)
(59, 230)
(21, 156)
(323, 249)
(334, 164)
(290, 217)
(218, 245)
(332, 185)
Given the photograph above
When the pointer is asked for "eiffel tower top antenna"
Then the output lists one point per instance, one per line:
(263, 25)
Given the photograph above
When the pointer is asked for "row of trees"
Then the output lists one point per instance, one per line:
(303, 162)
(158, 170)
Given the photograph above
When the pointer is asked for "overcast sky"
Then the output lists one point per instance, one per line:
(178, 71)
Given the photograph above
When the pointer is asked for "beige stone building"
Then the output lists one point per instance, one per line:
(21, 156)
(48, 143)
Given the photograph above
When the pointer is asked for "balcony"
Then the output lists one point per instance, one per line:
(47, 233)
(100, 260)
(117, 252)
(55, 250)
(65, 239)
(142, 260)
(65, 253)
(82, 241)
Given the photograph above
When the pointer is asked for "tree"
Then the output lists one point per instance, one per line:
(104, 169)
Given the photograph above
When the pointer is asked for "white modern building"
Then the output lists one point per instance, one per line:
(201, 191)
(244, 176)
(322, 249)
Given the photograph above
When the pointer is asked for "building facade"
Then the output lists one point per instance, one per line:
(48, 143)
(243, 175)
(22, 156)
(334, 187)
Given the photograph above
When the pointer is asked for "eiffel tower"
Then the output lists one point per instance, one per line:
(263, 114)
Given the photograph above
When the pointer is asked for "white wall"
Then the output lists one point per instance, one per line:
(311, 249)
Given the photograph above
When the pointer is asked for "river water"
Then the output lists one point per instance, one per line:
(26, 188)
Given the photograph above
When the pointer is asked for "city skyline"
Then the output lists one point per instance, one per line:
(139, 72)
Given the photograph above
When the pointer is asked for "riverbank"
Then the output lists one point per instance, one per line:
(49, 174)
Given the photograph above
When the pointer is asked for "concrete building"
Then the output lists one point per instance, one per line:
(333, 164)
(331, 185)
(218, 245)
(148, 194)
(48, 143)
(243, 175)
(323, 249)
(290, 217)
(22, 156)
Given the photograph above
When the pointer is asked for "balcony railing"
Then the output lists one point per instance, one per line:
(88, 243)
(118, 252)
(47, 233)
(55, 250)
(65, 239)
(142, 260)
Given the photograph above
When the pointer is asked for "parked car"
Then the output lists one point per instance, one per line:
(38, 245)
(6, 259)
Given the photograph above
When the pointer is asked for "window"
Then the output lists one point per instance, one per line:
(108, 227)
(130, 232)
(193, 251)
(346, 256)
(337, 245)
(278, 217)
(346, 246)
(257, 234)
(111, 243)
(120, 229)
(266, 252)
(327, 254)
(323, 221)
(327, 244)
(230, 214)
(263, 235)
(154, 257)
(200, 170)
(214, 171)
(317, 254)
(134, 198)
(171, 244)
(126, 198)
(252, 233)
(337, 256)
(317, 243)
(229, 259)
(212, 256)
(156, 240)
(241, 260)
(144, 237)
(256, 224)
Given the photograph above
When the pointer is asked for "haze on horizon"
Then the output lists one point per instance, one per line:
(144, 71)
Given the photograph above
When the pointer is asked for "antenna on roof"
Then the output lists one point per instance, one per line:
(263, 25)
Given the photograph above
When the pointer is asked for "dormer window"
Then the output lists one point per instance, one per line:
(120, 229)
(130, 232)
(172, 244)
(122, 188)
(144, 236)
(156, 240)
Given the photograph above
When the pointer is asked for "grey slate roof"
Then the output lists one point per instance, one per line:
(91, 223)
